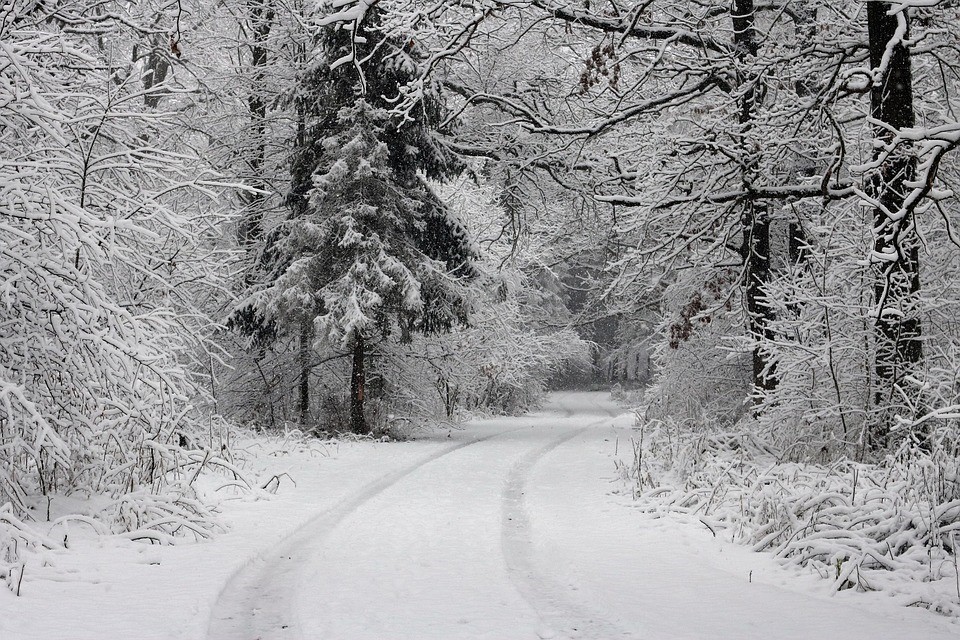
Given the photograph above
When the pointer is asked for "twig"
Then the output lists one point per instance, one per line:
(956, 569)
(704, 522)
(277, 478)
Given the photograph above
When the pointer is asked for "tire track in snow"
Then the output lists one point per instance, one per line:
(561, 617)
(253, 604)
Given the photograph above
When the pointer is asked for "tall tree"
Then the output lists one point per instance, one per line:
(367, 250)
(756, 214)
(896, 255)
(260, 15)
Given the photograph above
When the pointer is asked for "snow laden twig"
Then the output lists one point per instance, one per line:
(15, 537)
(162, 518)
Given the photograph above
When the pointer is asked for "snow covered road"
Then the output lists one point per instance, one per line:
(510, 532)
(439, 548)
(509, 529)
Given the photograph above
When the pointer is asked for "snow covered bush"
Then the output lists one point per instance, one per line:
(499, 363)
(108, 241)
(892, 527)
(822, 404)
(703, 375)
(520, 334)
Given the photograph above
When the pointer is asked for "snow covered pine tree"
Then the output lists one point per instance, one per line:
(367, 248)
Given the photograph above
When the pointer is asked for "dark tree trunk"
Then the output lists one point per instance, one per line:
(250, 229)
(760, 314)
(756, 218)
(155, 73)
(358, 423)
(306, 353)
(796, 244)
(747, 47)
(805, 27)
(897, 279)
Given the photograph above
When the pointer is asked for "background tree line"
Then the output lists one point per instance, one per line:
(773, 178)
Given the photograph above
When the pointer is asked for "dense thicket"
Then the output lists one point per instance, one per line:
(109, 267)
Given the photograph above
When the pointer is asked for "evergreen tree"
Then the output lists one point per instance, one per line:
(367, 247)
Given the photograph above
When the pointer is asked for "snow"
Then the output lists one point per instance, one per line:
(510, 528)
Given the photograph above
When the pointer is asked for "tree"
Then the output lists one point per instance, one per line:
(896, 254)
(368, 249)
(260, 16)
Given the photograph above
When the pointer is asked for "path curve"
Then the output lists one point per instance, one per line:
(253, 603)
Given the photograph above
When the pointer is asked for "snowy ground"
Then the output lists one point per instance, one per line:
(507, 529)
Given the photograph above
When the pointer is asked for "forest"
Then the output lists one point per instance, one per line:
(365, 218)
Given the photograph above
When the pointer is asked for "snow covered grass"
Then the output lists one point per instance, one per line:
(892, 527)
(183, 504)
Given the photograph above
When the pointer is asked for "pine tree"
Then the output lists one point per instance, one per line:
(367, 248)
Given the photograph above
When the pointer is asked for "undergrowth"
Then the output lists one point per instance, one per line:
(891, 526)
(191, 474)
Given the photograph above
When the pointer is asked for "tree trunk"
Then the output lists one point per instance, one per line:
(805, 28)
(306, 352)
(357, 383)
(156, 68)
(250, 229)
(897, 326)
(759, 312)
(756, 217)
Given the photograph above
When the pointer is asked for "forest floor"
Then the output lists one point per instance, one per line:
(508, 529)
